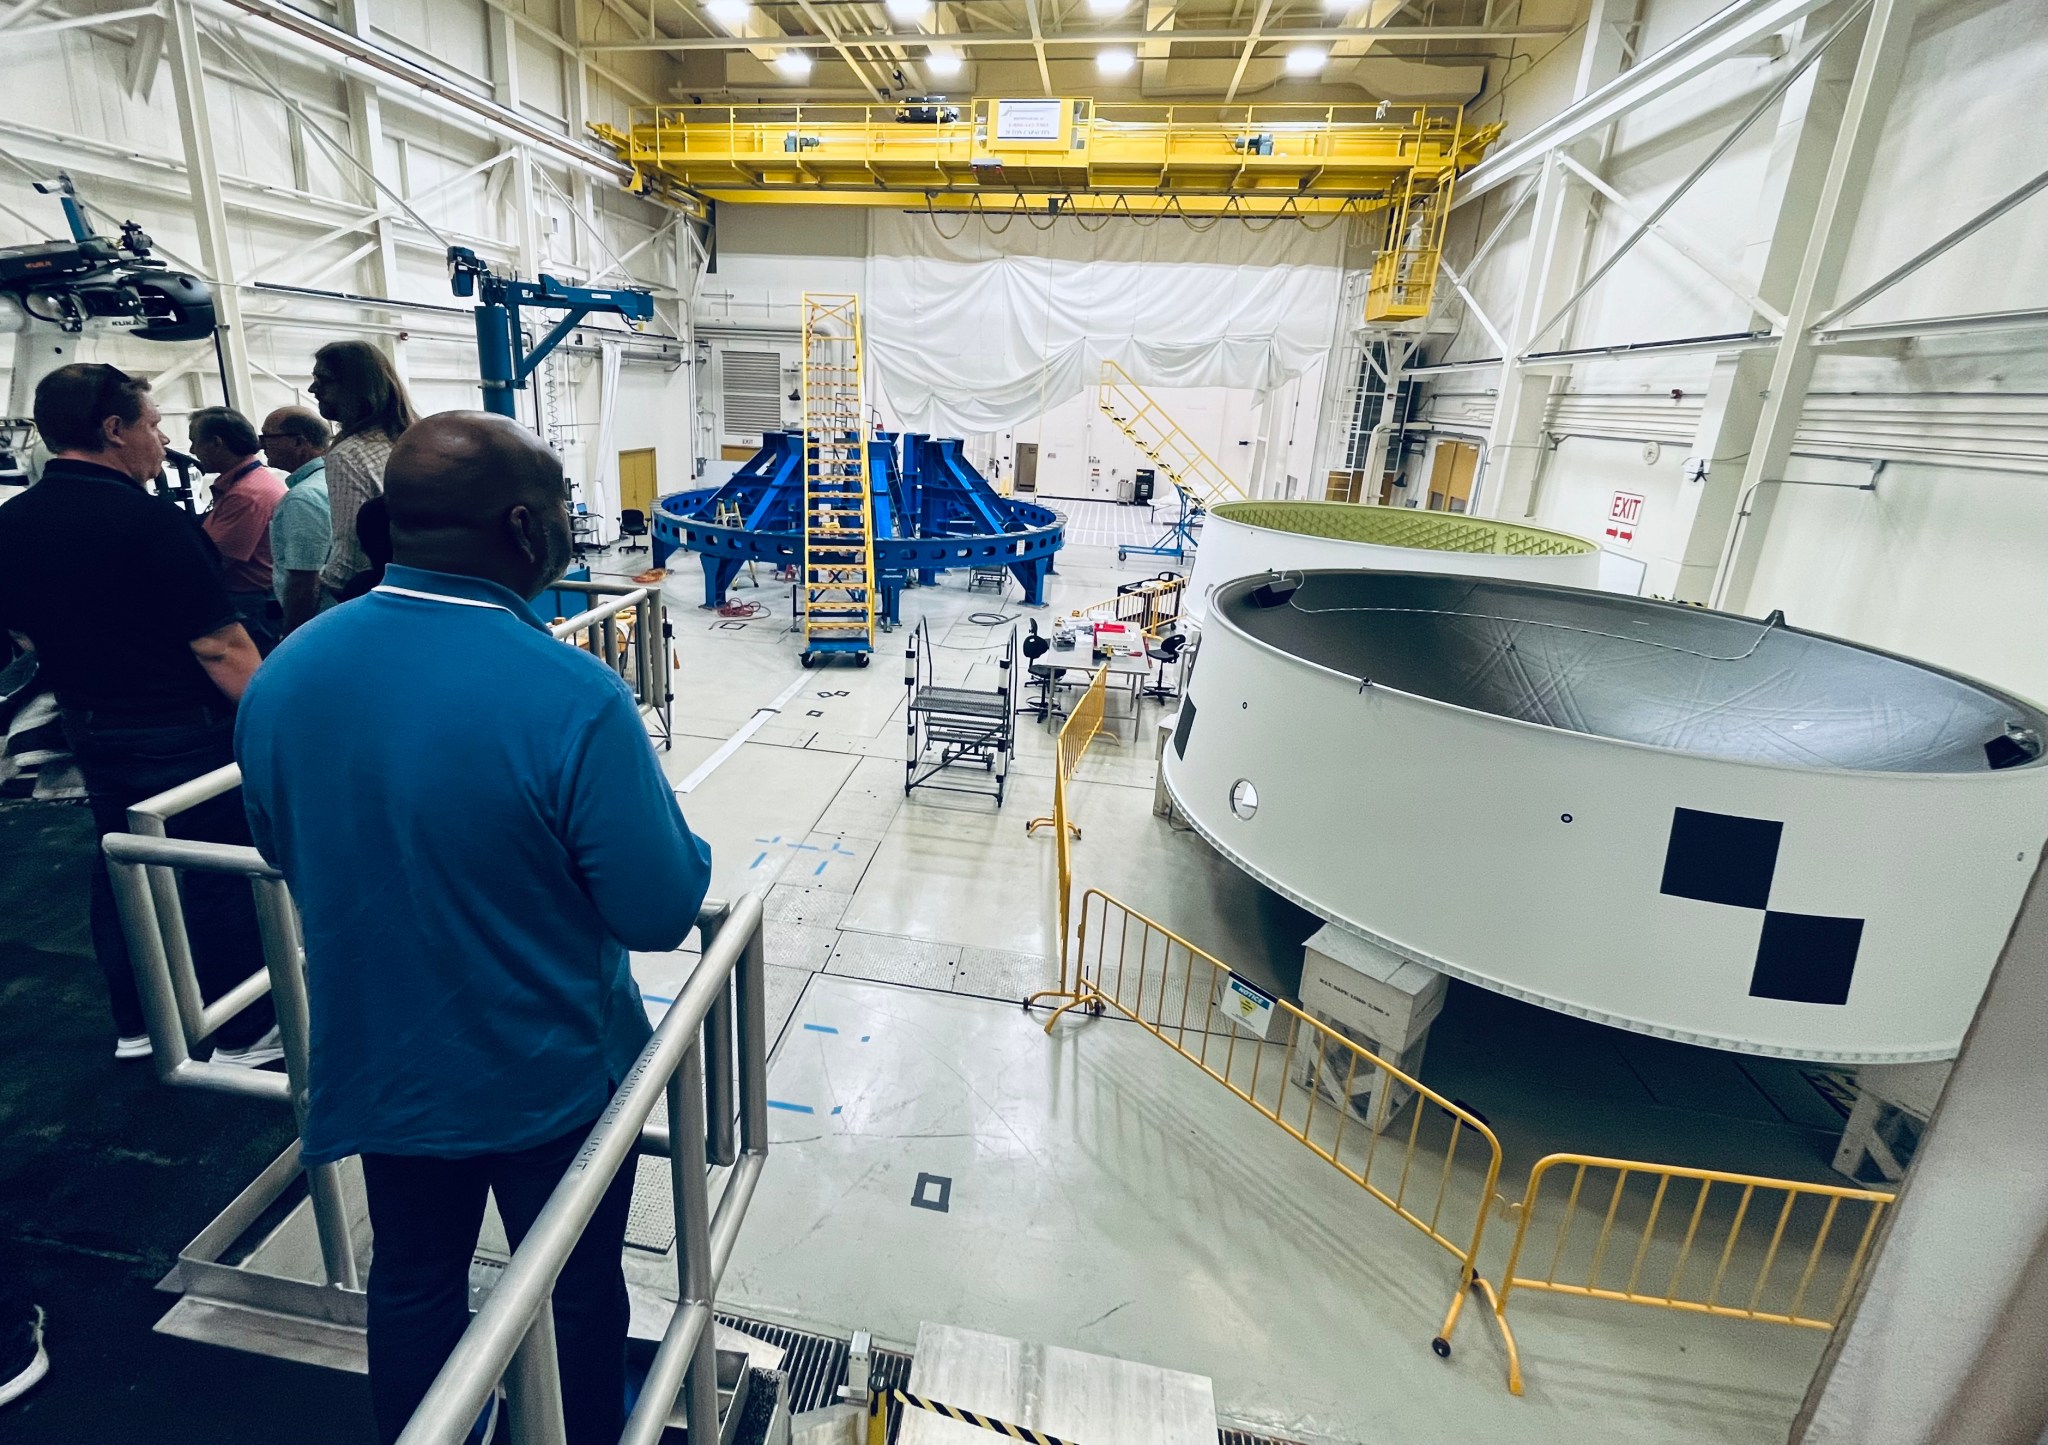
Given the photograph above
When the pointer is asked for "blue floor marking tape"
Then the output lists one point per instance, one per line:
(821, 1028)
(654, 998)
(792, 1108)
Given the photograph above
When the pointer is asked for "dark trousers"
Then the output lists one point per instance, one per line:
(261, 618)
(125, 760)
(424, 1217)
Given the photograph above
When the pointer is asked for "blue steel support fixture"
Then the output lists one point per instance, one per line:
(933, 512)
(503, 358)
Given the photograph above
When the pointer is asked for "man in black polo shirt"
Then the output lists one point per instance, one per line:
(121, 595)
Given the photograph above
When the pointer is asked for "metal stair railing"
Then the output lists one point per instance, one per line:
(1153, 431)
(838, 510)
(512, 1338)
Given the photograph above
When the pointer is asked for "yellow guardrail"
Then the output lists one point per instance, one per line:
(1079, 730)
(1152, 605)
(1320, 1087)
(1801, 1225)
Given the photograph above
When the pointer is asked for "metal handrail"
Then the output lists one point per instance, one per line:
(514, 1331)
(512, 1337)
(150, 818)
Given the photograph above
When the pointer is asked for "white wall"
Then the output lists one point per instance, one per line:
(1951, 549)
(100, 103)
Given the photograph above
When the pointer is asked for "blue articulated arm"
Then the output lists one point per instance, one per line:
(503, 360)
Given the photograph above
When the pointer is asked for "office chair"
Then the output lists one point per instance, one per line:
(1044, 678)
(632, 523)
(1167, 653)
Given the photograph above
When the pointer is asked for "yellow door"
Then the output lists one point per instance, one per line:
(1451, 477)
(636, 481)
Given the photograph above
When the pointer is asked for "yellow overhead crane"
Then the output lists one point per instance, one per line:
(1077, 157)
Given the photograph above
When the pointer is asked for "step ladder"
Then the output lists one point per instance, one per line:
(1153, 431)
(838, 524)
(954, 728)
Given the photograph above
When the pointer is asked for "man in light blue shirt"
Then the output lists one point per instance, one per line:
(295, 441)
(476, 829)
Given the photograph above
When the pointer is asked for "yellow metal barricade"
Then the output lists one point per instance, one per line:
(1721, 1260)
(1430, 1160)
(1080, 728)
(1152, 606)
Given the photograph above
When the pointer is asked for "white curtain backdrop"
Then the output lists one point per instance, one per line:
(988, 329)
(604, 491)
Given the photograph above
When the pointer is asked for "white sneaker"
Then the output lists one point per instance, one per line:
(22, 1352)
(132, 1046)
(266, 1050)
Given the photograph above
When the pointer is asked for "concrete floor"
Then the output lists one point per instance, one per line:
(1105, 1196)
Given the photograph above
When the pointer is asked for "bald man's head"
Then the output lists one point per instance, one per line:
(477, 494)
(293, 436)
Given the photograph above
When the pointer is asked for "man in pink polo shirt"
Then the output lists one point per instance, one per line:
(246, 494)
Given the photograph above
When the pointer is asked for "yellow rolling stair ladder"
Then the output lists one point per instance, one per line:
(1197, 477)
(839, 529)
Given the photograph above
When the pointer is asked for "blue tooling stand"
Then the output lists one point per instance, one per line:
(1179, 537)
(933, 513)
(503, 357)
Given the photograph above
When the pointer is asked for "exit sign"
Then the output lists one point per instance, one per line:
(1624, 514)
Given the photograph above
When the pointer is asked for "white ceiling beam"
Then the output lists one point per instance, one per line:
(1701, 256)
(1726, 33)
(335, 47)
(860, 72)
(1251, 43)
(1076, 39)
(1037, 45)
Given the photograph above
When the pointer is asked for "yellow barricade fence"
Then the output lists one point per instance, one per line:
(1150, 605)
(1079, 730)
(1620, 1255)
(1430, 1160)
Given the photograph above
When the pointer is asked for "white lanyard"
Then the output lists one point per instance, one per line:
(441, 597)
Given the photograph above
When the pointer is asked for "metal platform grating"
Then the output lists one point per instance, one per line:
(816, 1367)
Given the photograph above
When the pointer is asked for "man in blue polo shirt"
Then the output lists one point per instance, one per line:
(476, 829)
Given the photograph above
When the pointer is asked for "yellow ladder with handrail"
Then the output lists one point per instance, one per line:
(1153, 431)
(839, 528)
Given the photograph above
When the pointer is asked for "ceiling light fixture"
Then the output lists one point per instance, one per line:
(943, 62)
(908, 12)
(794, 65)
(1108, 7)
(729, 15)
(1114, 62)
(1306, 59)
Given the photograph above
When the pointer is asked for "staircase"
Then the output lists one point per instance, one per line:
(1155, 433)
(839, 537)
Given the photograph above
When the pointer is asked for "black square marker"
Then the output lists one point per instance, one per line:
(1182, 728)
(1719, 858)
(945, 1188)
(1806, 958)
